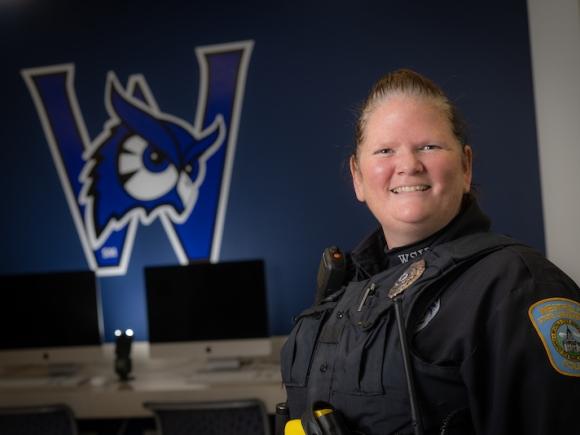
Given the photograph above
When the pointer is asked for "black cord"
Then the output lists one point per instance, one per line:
(415, 412)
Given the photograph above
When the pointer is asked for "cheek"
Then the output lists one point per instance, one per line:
(450, 174)
(452, 177)
(377, 173)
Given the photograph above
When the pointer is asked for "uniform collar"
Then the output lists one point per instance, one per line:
(372, 255)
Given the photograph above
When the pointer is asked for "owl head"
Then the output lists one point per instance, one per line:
(145, 163)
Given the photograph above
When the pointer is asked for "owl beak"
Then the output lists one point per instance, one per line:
(186, 190)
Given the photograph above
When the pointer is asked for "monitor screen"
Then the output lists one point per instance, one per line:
(50, 317)
(211, 309)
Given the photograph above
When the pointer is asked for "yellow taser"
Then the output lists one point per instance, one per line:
(294, 426)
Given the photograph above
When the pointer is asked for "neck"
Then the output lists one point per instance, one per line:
(418, 232)
(396, 241)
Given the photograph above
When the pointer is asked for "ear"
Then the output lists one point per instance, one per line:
(356, 179)
(467, 161)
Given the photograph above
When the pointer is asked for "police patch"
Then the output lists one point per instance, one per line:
(429, 315)
(557, 321)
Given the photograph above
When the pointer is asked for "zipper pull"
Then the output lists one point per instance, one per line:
(368, 290)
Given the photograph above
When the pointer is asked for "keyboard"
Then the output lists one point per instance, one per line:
(26, 382)
(240, 376)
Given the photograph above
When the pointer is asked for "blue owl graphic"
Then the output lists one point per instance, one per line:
(145, 164)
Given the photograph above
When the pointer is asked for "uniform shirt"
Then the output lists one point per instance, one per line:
(493, 331)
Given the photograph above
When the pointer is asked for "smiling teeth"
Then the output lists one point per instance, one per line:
(419, 188)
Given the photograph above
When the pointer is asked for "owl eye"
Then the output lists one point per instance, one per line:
(191, 169)
(154, 160)
(145, 171)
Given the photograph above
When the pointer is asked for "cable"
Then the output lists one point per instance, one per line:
(415, 412)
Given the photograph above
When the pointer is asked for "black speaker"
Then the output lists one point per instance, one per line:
(331, 273)
(123, 365)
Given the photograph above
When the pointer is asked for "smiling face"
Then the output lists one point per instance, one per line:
(409, 168)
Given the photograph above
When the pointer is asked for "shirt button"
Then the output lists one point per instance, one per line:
(339, 315)
(323, 367)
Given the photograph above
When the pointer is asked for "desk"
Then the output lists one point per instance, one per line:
(153, 381)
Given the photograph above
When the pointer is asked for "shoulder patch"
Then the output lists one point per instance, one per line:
(557, 322)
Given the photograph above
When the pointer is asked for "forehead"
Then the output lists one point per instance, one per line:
(407, 115)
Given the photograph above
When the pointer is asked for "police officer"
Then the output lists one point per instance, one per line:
(492, 327)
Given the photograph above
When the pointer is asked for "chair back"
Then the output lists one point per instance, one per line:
(230, 417)
(38, 420)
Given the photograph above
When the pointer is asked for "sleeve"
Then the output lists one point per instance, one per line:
(523, 374)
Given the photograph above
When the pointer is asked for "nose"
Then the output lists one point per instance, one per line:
(409, 163)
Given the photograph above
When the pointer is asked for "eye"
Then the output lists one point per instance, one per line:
(192, 168)
(384, 151)
(146, 172)
(430, 147)
(154, 160)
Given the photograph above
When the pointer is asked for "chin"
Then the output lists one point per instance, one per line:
(412, 216)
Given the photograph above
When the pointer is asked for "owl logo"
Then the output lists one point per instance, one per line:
(146, 164)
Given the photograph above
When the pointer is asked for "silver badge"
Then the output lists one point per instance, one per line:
(412, 274)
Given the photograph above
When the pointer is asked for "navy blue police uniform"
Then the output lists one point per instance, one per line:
(493, 330)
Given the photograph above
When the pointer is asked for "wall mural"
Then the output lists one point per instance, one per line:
(141, 134)
(146, 164)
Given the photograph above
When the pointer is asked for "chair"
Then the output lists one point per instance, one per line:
(38, 420)
(229, 417)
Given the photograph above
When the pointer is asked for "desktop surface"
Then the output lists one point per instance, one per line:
(96, 393)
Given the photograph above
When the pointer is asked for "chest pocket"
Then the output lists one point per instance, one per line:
(296, 354)
(359, 367)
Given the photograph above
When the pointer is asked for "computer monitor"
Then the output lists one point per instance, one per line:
(50, 318)
(208, 311)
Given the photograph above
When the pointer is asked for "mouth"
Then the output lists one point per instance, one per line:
(407, 189)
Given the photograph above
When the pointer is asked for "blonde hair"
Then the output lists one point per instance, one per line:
(408, 82)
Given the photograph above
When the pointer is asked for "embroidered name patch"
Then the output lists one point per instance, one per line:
(557, 321)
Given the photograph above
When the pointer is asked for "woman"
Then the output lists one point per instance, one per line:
(491, 326)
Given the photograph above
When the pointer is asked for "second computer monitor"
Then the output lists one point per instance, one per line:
(52, 317)
(207, 310)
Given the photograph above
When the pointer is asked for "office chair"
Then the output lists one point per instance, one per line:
(38, 420)
(228, 417)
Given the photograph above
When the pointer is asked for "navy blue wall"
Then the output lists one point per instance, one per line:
(311, 65)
